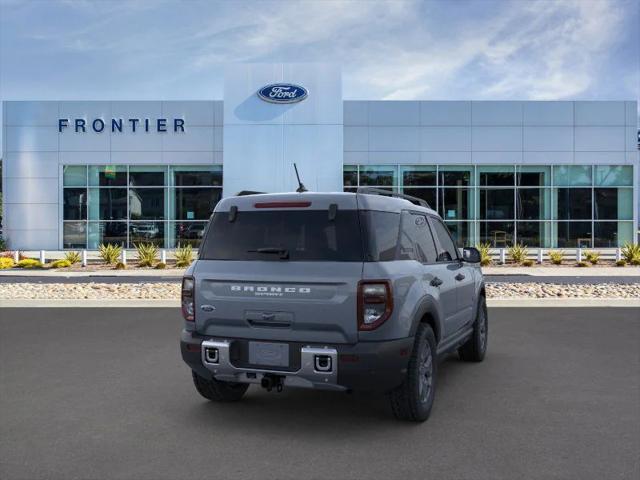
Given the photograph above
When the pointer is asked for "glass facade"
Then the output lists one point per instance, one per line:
(550, 206)
(165, 205)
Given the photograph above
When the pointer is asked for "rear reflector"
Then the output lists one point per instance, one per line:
(282, 205)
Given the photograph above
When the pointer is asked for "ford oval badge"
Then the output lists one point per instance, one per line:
(283, 93)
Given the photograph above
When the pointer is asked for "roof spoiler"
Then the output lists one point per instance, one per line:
(244, 193)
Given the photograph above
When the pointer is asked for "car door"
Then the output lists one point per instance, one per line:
(437, 278)
(466, 293)
(456, 273)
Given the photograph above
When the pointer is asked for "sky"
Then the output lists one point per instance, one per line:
(394, 49)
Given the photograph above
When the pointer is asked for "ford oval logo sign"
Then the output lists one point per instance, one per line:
(283, 93)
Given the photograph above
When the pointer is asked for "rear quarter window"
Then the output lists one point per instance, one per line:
(381, 238)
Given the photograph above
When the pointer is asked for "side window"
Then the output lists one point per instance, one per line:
(416, 242)
(447, 250)
(425, 240)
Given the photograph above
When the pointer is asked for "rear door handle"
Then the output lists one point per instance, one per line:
(436, 282)
(460, 277)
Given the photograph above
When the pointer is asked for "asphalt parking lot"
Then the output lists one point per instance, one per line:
(103, 394)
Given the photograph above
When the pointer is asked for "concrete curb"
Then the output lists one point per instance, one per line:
(563, 271)
(562, 302)
(595, 272)
(93, 303)
(492, 303)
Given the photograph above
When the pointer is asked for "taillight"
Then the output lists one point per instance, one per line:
(375, 303)
(188, 306)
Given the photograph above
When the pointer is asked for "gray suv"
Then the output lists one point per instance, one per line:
(333, 291)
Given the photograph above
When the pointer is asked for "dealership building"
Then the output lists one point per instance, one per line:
(547, 174)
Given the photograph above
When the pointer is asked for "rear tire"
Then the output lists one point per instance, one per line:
(413, 400)
(476, 347)
(218, 391)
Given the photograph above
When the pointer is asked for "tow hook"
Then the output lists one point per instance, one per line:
(269, 382)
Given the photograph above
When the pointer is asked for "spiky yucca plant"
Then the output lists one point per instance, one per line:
(556, 256)
(147, 254)
(184, 256)
(72, 257)
(109, 252)
(592, 257)
(631, 253)
(518, 253)
(485, 255)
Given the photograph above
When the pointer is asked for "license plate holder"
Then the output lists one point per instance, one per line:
(269, 354)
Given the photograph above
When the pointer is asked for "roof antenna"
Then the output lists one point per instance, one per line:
(301, 188)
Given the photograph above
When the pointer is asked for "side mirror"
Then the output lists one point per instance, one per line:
(471, 255)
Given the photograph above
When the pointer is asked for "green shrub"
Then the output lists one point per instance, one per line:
(110, 253)
(6, 262)
(147, 254)
(29, 263)
(184, 256)
(621, 263)
(3, 243)
(556, 256)
(485, 255)
(582, 263)
(518, 253)
(120, 266)
(73, 257)
(62, 263)
(161, 266)
(635, 261)
(592, 257)
(527, 263)
(631, 252)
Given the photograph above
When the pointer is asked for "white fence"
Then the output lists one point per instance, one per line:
(498, 255)
(541, 255)
(91, 255)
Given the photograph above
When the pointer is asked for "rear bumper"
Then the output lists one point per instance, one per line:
(365, 366)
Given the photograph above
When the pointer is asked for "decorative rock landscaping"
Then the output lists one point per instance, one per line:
(171, 290)
(556, 290)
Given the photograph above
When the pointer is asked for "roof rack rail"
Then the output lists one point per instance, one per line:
(389, 193)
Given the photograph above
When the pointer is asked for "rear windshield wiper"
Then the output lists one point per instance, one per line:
(283, 252)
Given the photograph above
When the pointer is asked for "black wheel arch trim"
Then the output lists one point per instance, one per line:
(428, 306)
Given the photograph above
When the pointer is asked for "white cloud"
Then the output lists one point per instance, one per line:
(388, 49)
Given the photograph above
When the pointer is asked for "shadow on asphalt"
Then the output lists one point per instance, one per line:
(321, 413)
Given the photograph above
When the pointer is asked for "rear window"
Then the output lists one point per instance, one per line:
(290, 235)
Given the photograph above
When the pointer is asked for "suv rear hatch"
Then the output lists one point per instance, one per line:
(281, 267)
